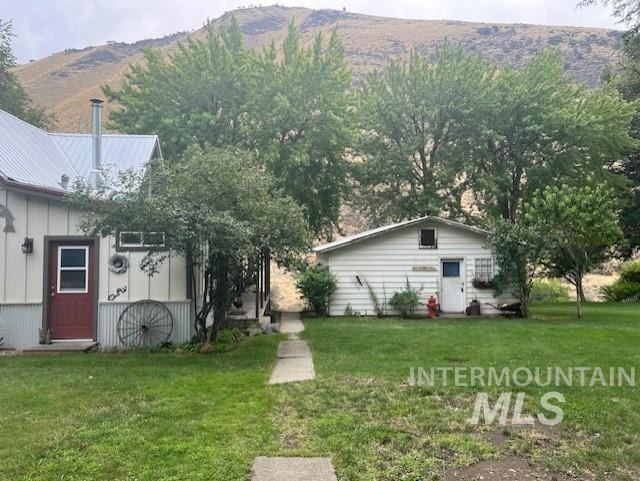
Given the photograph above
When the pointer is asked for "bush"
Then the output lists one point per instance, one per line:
(551, 290)
(317, 283)
(621, 290)
(405, 301)
(630, 271)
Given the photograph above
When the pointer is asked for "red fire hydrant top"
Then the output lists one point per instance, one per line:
(432, 304)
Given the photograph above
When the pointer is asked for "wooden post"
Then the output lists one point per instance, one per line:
(258, 288)
(267, 267)
(261, 267)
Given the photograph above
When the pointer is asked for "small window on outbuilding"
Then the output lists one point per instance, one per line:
(484, 269)
(428, 238)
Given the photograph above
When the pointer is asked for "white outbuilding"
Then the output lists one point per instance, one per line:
(437, 256)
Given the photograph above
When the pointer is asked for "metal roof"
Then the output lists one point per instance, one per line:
(369, 234)
(31, 156)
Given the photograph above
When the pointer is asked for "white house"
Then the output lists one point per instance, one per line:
(54, 278)
(440, 257)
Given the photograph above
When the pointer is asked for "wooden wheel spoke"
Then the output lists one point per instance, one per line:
(156, 318)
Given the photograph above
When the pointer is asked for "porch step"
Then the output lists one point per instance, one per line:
(57, 347)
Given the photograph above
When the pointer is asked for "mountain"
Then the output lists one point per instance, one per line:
(64, 82)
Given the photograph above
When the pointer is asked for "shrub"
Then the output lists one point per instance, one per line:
(621, 290)
(551, 290)
(317, 283)
(406, 300)
(348, 311)
(630, 271)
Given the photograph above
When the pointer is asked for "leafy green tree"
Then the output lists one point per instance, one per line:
(626, 77)
(13, 97)
(628, 11)
(198, 95)
(544, 129)
(580, 228)
(420, 121)
(519, 251)
(289, 105)
(302, 123)
(214, 207)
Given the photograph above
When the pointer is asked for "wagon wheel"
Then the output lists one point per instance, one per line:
(145, 323)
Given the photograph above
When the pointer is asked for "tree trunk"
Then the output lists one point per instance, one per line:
(220, 294)
(580, 290)
(579, 299)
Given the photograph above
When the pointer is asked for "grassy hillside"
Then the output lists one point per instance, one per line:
(64, 82)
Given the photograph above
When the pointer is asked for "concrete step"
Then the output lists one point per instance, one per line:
(61, 346)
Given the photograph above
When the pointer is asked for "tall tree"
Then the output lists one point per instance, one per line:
(420, 120)
(628, 11)
(289, 105)
(196, 96)
(544, 129)
(214, 207)
(13, 97)
(302, 123)
(626, 78)
(579, 226)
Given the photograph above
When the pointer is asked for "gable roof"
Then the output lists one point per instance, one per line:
(32, 157)
(369, 234)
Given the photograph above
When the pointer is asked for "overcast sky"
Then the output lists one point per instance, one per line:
(43, 27)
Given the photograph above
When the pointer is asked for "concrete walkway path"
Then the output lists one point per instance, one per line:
(294, 364)
(292, 469)
(294, 356)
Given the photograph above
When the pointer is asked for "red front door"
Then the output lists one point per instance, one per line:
(71, 288)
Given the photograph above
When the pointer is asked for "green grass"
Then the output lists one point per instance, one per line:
(142, 416)
(361, 412)
(136, 416)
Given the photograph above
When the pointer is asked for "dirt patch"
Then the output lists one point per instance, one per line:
(497, 438)
(510, 466)
(506, 467)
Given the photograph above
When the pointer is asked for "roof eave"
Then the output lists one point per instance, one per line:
(31, 189)
(329, 248)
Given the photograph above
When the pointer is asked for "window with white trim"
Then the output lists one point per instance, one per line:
(484, 269)
(73, 270)
(140, 240)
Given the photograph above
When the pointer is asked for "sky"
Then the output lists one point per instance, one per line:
(43, 27)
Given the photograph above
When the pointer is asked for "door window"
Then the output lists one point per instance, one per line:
(451, 269)
(73, 270)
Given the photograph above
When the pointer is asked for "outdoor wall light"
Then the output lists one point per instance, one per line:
(27, 245)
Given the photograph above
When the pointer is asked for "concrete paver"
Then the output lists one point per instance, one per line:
(293, 370)
(292, 469)
(293, 348)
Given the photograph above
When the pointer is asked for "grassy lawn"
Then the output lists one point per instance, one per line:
(361, 412)
(136, 416)
(184, 416)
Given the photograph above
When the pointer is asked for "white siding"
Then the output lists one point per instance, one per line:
(386, 262)
(21, 276)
